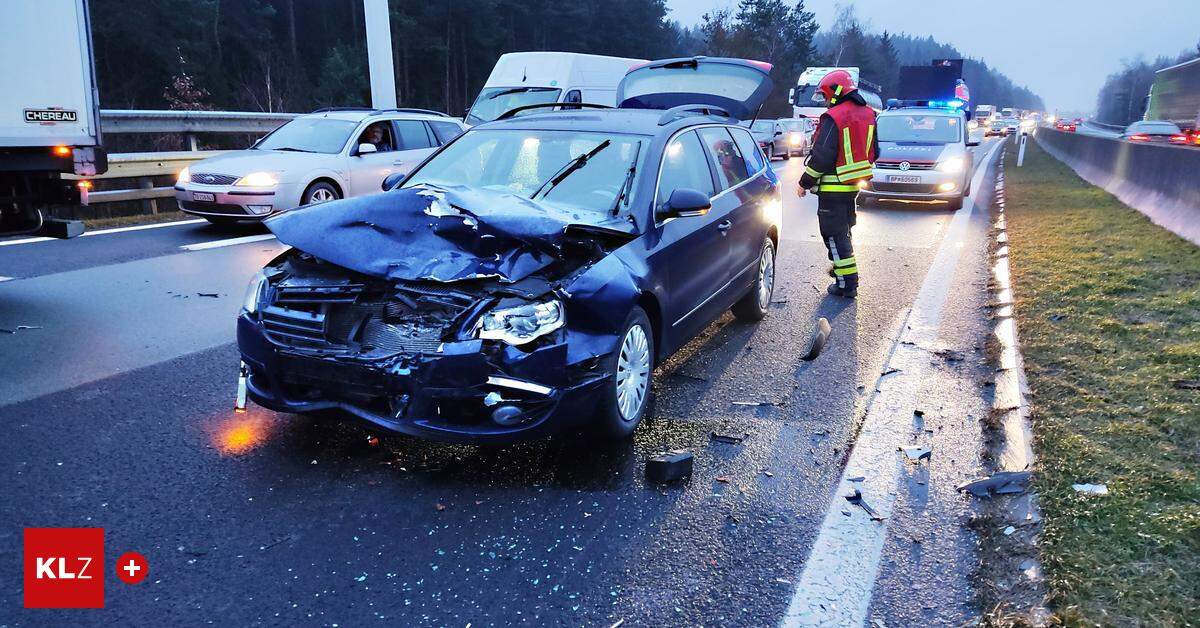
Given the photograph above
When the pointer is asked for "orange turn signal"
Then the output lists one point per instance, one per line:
(61, 151)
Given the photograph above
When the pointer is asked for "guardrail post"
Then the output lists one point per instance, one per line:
(191, 141)
(149, 204)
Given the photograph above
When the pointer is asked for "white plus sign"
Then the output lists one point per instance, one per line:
(132, 568)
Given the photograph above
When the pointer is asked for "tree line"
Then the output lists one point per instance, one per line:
(1122, 98)
(298, 55)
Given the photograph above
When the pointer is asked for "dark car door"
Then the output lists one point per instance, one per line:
(758, 198)
(693, 250)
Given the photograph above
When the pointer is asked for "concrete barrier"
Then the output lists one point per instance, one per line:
(1161, 181)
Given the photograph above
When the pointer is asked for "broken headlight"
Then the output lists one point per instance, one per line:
(254, 293)
(519, 325)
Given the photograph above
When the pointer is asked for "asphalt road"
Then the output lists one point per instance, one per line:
(117, 414)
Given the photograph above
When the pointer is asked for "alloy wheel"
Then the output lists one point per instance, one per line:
(633, 372)
(766, 276)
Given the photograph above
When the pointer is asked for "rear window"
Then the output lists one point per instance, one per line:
(412, 135)
(731, 165)
(721, 79)
(445, 131)
(755, 162)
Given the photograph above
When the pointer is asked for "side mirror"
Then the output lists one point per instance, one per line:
(686, 203)
(366, 149)
(392, 181)
(777, 132)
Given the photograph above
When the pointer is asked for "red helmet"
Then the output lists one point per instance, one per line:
(836, 84)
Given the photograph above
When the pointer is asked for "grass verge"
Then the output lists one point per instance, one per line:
(1108, 306)
(137, 219)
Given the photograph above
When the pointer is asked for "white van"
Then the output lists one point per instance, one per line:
(530, 78)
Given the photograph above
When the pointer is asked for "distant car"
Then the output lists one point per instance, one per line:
(998, 127)
(1155, 131)
(924, 156)
(314, 158)
(1066, 126)
(531, 275)
(781, 138)
(1011, 125)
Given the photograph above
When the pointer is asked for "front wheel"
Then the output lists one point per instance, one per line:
(631, 368)
(787, 153)
(753, 307)
(319, 192)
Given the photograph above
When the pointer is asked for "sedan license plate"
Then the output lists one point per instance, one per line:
(901, 178)
(204, 196)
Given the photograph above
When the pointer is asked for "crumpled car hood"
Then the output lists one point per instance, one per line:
(446, 234)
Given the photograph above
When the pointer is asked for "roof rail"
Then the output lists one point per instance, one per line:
(675, 113)
(569, 105)
(391, 110)
(329, 109)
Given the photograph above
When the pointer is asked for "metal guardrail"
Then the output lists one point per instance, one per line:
(143, 167)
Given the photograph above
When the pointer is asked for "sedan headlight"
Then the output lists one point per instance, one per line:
(254, 293)
(521, 324)
(794, 139)
(184, 176)
(258, 180)
(952, 165)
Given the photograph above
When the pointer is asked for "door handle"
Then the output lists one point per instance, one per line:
(724, 225)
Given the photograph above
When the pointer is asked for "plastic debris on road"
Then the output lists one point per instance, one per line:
(916, 452)
(856, 498)
(1090, 489)
(1000, 483)
(820, 337)
(669, 466)
(729, 439)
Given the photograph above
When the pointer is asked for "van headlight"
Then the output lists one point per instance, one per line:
(953, 165)
(521, 324)
(254, 293)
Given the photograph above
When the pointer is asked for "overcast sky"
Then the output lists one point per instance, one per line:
(1061, 49)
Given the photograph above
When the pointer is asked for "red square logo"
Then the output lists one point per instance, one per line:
(64, 567)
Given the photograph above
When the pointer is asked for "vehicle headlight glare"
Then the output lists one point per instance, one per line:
(184, 176)
(258, 179)
(952, 165)
(521, 324)
(794, 139)
(254, 293)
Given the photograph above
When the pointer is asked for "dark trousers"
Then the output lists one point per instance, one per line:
(835, 215)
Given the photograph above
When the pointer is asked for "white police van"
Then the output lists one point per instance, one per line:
(924, 155)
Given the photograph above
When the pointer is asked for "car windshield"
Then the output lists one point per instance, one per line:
(309, 135)
(807, 96)
(796, 125)
(924, 129)
(529, 163)
(762, 126)
(493, 102)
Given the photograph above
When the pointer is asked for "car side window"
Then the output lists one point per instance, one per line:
(755, 161)
(445, 131)
(731, 166)
(684, 166)
(380, 135)
(412, 135)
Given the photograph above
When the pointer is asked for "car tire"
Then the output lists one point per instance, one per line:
(771, 153)
(319, 192)
(626, 397)
(754, 305)
(787, 154)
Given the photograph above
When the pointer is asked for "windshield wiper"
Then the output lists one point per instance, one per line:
(517, 90)
(290, 148)
(568, 168)
(628, 182)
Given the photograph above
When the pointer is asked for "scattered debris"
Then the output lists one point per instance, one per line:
(1000, 483)
(779, 301)
(1186, 384)
(919, 412)
(889, 372)
(758, 403)
(439, 506)
(690, 376)
(669, 466)
(373, 441)
(1057, 317)
(857, 478)
(1009, 530)
(820, 337)
(723, 479)
(728, 438)
(857, 499)
(1090, 489)
(19, 328)
(768, 473)
(916, 452)
(950, 355)
(211, 295)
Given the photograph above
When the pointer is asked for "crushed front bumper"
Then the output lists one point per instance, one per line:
(449, 396)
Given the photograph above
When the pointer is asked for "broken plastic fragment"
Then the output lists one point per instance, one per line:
(669, 466)
(727, 438)
(1090, 489)
(856, 498)
(1000, 483)
(916, 452)
(820, 337)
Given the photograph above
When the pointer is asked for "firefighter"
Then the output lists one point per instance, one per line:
(843, 152)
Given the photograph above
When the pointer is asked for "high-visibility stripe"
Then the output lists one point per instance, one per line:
(847, 177)
(849, 261)
(837, 90)
(870, 137)
(832, 187)
(813, 173)
(847, 147)
(852, 270)
(858, 165)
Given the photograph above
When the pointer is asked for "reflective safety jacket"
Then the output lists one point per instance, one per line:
(844, 147)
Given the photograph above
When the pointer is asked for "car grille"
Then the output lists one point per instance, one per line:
(912, 165)
(213, 208)
(910, 188)
(294, 327)
(216, 179)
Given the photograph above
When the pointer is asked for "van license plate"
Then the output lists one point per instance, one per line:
(204, 196)
(900, 178)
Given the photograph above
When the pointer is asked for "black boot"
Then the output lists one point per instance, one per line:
(836, 291)
(829, 271)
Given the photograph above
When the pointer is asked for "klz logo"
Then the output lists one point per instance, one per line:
(64, 568)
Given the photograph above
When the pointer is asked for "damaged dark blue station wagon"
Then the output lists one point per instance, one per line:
(530, 274)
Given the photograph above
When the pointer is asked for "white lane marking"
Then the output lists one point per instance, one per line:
(216, 244)
(835, 585)
(4, 279)
(158, 225)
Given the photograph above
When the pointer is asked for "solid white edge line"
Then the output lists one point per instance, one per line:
(4, 279)
(157, 225)
(216, 244)
(835, 584)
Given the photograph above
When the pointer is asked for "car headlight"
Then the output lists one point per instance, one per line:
(794, 139)
(254, 293)
(521, 324)
(258, 179)
(1027, 124)
(952, 165)
(184, 176)
(972, 125)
